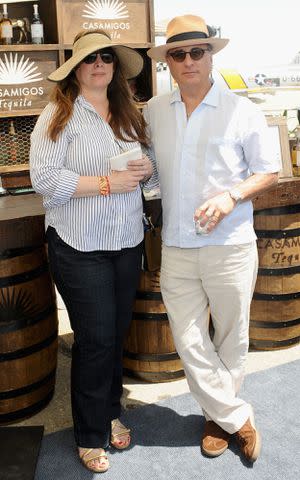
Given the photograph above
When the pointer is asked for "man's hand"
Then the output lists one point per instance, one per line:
(214, 210)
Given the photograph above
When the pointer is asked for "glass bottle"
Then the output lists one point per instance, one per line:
(296, 156)
(36, 27)
(6, 31)
(13, 143)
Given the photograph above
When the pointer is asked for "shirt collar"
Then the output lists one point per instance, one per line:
(211, 98)
(83, 102)
(175, 96)
(79, 99)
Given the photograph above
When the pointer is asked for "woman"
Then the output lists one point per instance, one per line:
(94, 225)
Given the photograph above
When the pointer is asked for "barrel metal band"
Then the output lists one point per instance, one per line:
(24, 352)
(284, 210)
(143, 295)
(286, 324)
(295, 232)
(155, 317)
(151, 357)
(18, 392)
(21, 323)
(261, 344)
(277, 298)
(24, 276)
(17, 252)
(279, 271)
(153, 376)
(28, 411)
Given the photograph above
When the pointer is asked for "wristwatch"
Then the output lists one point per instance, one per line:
(235, 194)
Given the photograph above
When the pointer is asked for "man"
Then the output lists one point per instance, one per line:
(213, 154)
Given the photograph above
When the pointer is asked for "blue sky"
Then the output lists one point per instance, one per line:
(261, 32)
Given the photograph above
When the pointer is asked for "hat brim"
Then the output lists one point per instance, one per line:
(131, 62)
(159, 53)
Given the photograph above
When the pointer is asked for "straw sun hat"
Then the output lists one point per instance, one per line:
(184, 31)
(131, 62)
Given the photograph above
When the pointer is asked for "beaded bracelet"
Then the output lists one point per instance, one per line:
(104, 187)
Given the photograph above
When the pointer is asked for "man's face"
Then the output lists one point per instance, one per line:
(194, 69)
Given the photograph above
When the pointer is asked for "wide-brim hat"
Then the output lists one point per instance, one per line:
(131, 62)
(184, 31)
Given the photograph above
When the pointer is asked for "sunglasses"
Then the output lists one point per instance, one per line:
(106, 57)
(195, 53)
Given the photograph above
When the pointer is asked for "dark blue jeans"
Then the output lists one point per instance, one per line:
(98, 289)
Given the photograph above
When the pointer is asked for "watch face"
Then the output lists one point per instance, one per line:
(235, 195)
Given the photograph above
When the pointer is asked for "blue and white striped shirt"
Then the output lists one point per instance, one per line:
(83, 148)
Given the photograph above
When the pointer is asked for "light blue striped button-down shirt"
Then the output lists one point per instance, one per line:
(83, 148)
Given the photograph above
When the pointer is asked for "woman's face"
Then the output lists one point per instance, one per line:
(96, 70)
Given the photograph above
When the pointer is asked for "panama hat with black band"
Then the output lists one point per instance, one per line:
(131, 62)
(184, 31)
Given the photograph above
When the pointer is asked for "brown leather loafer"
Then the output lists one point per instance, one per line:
(215, 440)
(249, 441)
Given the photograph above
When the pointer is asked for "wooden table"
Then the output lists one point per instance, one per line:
(21, 221)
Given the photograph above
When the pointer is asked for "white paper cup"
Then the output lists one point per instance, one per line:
(119, 162)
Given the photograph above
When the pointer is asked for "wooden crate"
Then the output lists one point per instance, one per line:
(21, 10)
(23, 81)
(126, 22)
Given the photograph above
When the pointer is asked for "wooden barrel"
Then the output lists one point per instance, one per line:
(28, 333)
(149, 350)
(275, 308)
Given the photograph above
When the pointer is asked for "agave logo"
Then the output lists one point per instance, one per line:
(14, 71)
(108, 9)
(16, 307)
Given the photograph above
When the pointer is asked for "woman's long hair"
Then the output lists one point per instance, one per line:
(125, 119)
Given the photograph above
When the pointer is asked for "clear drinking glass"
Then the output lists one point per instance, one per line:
(199, 229)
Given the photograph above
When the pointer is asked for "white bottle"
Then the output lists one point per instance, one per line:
(37, 28)
(298, 147)
(6, 31)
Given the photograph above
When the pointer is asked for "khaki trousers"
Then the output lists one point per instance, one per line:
(219, 279)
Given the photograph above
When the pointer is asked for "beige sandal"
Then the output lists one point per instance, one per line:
(85, 459)
(118, 430)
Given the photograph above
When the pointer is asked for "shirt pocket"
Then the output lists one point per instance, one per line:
(225, 156)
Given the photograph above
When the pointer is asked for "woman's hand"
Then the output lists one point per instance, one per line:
(142, 165)
(125, 181)
(212, 211)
